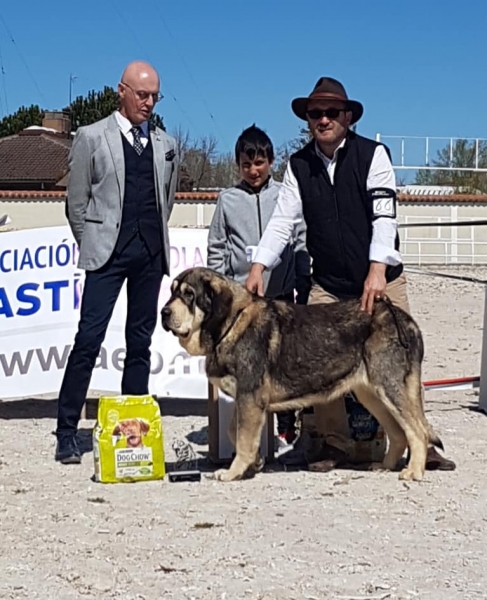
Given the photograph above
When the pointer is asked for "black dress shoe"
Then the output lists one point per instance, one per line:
(67, 451)
(436, 462)
(327, 459)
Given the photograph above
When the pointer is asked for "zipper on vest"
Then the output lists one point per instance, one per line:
(342, 245)
(259, 216)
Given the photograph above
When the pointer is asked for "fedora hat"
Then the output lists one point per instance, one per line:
(327, 88)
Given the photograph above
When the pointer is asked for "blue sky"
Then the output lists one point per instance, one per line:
(419, 67)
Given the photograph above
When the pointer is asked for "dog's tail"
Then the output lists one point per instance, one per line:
(401, 332)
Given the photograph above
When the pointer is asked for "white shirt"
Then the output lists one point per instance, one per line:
(289, 212)
(125, 127)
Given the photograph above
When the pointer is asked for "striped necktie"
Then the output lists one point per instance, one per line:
(138, 146)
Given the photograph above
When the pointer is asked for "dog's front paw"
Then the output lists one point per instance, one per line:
(409, 474)
(225, 475)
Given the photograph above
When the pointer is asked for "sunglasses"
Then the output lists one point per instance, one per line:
(329, 113)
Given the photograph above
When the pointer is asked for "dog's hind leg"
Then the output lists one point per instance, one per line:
(250, 422)
(416, 427)
(394, 432)
(405, 404)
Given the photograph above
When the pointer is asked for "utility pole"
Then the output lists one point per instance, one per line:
(71, 81)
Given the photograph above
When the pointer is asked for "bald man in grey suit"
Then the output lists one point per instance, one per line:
(122, 181)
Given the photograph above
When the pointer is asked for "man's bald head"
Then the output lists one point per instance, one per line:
(138, 91)
(138, 72)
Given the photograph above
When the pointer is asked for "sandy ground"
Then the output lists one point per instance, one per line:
(283, 535)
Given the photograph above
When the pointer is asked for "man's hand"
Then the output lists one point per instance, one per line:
(255, 281)
(374, 286)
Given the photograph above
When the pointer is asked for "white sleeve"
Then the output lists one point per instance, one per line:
(384, 229)
(279, 231)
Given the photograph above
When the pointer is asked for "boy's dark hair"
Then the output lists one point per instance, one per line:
(254, 142)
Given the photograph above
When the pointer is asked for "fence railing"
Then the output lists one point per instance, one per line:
(419, 152)
(436, 240)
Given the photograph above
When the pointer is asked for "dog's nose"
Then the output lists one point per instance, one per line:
(165, 313)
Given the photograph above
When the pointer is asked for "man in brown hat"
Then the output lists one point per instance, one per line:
(344, 187)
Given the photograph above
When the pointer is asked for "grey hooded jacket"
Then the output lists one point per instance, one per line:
(240, 218)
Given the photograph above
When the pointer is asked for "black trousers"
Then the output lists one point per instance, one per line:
(143, 274)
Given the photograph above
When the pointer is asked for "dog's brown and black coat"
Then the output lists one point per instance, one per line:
(270, 355)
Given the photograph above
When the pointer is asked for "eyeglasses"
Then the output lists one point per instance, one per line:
(330, 113)
(144, 96)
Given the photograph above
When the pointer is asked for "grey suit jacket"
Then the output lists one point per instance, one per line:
(96, 185)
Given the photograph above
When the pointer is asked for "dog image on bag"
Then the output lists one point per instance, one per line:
(273, 356)
(133, 430)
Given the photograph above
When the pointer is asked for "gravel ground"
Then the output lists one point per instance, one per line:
(346, 535)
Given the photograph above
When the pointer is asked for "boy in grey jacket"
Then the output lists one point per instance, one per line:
(240, 218)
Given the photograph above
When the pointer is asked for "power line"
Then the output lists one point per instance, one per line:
(4, 85)
(185, 64)
(147, 57)
(22, 58)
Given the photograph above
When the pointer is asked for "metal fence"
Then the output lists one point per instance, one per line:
(439, 240)
(417, 153)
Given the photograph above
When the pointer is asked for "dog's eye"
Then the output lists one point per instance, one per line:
(188, 295)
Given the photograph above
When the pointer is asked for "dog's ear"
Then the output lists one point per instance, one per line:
(219, 299)
(117, 430)
(144, 427)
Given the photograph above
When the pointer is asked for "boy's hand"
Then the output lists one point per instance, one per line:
(255, 281)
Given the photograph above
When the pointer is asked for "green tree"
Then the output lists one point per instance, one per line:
(21, 119)
(462, 154)
(84, 110)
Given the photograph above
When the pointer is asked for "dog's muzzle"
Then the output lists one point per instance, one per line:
(165, 316)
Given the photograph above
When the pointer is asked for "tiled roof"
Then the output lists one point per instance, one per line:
(20, 195)
(212, 196)
(33, 156)
(437, 199)
(444, 199)
(196, 196)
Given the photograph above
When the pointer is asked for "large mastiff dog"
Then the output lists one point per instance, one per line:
(269, 355)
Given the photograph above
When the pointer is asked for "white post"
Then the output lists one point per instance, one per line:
(454, 234)
(377, 137)
(200, 215)
(483, 362)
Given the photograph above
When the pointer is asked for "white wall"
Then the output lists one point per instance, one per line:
(433, 244)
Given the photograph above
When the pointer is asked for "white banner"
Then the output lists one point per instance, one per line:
(40, 293)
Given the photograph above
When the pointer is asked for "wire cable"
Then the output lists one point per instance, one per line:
(147, 57)
(197, 88)
(4, 85)
(2, 20)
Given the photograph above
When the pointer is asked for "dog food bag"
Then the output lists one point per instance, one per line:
(368, 436)
(128, 440)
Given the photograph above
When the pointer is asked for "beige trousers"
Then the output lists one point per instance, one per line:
(331, 420)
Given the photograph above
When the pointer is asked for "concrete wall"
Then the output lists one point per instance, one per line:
(28, 214)
(437, 243)
(434, 244)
